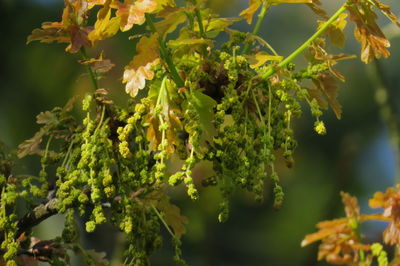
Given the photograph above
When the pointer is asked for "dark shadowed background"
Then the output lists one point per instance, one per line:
(355, 156)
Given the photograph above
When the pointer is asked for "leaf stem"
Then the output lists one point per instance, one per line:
(92, 75)
(305, 45)
(257, 27)
(163, 221)
(165, 55)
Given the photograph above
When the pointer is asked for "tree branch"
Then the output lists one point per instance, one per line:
(36, 216)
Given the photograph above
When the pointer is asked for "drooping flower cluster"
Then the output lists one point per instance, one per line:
(189, 102)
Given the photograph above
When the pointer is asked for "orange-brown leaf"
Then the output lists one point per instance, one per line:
(326, 83)
(335, 30)
(133, 12)
(386, 10)
(98, 64)
(373, 42)
(311, 238)
(316, 9)
(350, 205)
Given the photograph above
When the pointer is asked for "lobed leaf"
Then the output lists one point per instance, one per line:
(373, 42)
(105, 26)
(133, 12)
(258, 59)
(139, 69)
(172, 216)
(335, 30)
(249, 12)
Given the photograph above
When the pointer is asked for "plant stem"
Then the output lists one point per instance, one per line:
(165, 55)
(305, 45)
(89, 70)
(257, 27)
(199, 19)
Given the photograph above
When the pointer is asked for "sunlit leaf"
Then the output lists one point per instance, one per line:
(314, 237)
(69, 30)
(139, 69)
(133, 12)
(105, 26)
(260, 58)
(350, 205)
(249, 12)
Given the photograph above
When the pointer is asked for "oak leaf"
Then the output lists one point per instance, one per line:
(373, 42)
(316, 9)
(69, 30)
(390, 202)
(172, 216)
(249, 12)
(139, 69)
(258, 59)
(339, 239)
(99, 64)
(335, 30)
(172, 18)
(132, 12)
(105, 26)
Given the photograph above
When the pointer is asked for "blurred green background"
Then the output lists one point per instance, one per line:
(355, 156)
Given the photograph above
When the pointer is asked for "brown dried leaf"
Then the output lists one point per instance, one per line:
(373, 42)
(31, 146)
(335, 30)
(99, 64)
(327, 85)
(316, 9)
(386, 10)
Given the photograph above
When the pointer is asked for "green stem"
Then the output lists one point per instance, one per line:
(257, 27)
(165, 55)
(163, 221)
(199, 19)
(92, 75)
(305, 45)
